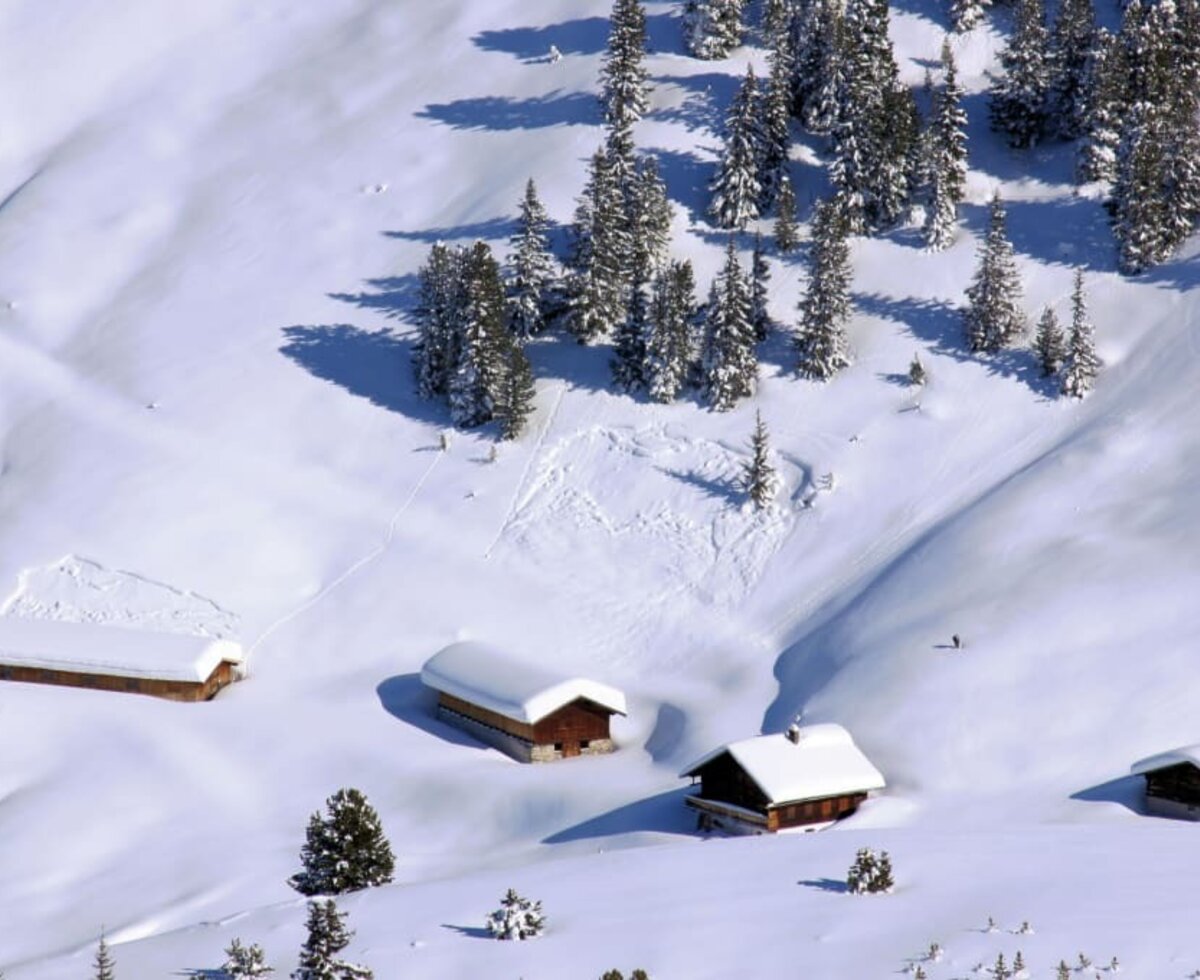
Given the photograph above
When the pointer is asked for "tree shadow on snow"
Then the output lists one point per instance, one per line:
(493, 112)
(825, 885)
(490, 230)
(687, 178)
(1126, 791)
(394, 295)
(722, 490)
(404, 697)
(704, 105)
(586, 36)
(1065, 231)
(661, 814)
(471, 932)
(669, 727)
(372, 364)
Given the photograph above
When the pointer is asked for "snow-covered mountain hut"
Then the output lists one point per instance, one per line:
(1172, 782)
(108, 658)
(525, 711)
(805, 777)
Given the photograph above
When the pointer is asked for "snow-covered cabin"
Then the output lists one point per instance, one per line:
(108, 658)
(525, 711)
(805, 777)
(1172, 782)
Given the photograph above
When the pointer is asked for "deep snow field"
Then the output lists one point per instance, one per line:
(212, 217)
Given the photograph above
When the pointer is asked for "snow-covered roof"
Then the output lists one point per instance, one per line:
(1187, 754)
(491, 678)
(92, 648)
(823, 761)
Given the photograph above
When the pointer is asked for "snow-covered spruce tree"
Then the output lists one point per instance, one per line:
(1105, 104)
(775, 20)
(966, 14)
(1072, 40)
(713, 28)
(599, 255)
(1018, 96)
(534, 272)
(786, 235)
(514, 401)
(1062, 971)
(883, 881)
(758, 475)
(1049, 343)
(327, 936)
(947, 163)
(1082, 365)
(993, 318)
(774, 126)
(624, 81)
(1000, 970)
(760, 276)
(917, 375)
(344, 850)
(817, 63)
(735, 188)
(104, 965)
(669, 342)
(861, 872)
(517, 918)
(437, 314)
(825, 309)
(484, 338)
(245, 962)
(730, 368)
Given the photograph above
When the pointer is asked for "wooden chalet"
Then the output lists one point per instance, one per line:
(107, 658)
(524, 711)
(1172, 782)
(803, 778)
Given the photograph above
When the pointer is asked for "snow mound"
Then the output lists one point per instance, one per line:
(76, 590)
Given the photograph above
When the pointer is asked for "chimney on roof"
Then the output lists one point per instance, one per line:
(793, 733)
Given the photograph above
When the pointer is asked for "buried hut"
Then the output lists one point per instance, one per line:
(1172, 782)
(805, 777)
(525, 711)
(109, 658)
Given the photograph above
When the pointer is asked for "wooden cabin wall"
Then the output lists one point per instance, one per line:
(222, 675)
(577, 722)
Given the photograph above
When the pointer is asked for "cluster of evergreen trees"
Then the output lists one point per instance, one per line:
(1132, 99)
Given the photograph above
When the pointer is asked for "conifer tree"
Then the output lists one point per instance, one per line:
(917, 375)
(947, 165)
(624, 80)
(1018, 97)
(1049, 343)
(993, 318)
(600, 255)
(1104, 105)
(514, 403)
(825, 308)
(478, 373)
(437, 314)
(817, 63)
(729, 365)
(862, 872)
(105, 967)
(786, 235)
(344, 850)
(775, 123)
(668, 342)
(760, 276)
(966, 14)
(534, 274)
(1072, 40)
(327, 936)
(245, 962)
(517, 918)
(883, 881)
(758, 476)
(776, 20)
(735, 187)
(1082, 365)
(1062, 972)
(712, 28)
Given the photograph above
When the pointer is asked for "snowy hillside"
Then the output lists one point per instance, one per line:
(211, 223)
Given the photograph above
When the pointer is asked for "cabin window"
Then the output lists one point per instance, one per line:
(558, 746)
(584, 743)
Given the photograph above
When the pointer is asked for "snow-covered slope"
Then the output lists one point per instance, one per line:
(212, 219)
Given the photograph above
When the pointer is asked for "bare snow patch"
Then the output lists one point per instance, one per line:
(76, 590)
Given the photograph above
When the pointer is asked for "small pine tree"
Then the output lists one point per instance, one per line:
(729, 365)
(1018, 97)
(327, 936)
(917, 376)
(438, 316)
(947, 160)
(760, 276)
(883, 881)
(1000, 970)
(1082, 365)
(862, 872)
(533, 275)
(105, 967)
(825, 309)
(345, 850)
(920, 974)
(1049, 343)
(1063, 972)
(758, 476)
(601, 251)
(245, 962)
(993, 317)
(517, 918)
(514, 403)
(786, 235)
(735, 188)
(474, 384)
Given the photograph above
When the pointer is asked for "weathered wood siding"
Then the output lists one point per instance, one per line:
(579, 728)
(723, 779)
(813, 811)
(487, 717)
(225, 673)
(1180, 783)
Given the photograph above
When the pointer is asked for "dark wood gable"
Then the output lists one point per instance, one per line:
(722, 779)
(1179, 782)
(581, 721)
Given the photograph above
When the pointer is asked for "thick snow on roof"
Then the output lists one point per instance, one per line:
(1186, 754)
(492, 679)
(824, 761)
(89, 648)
